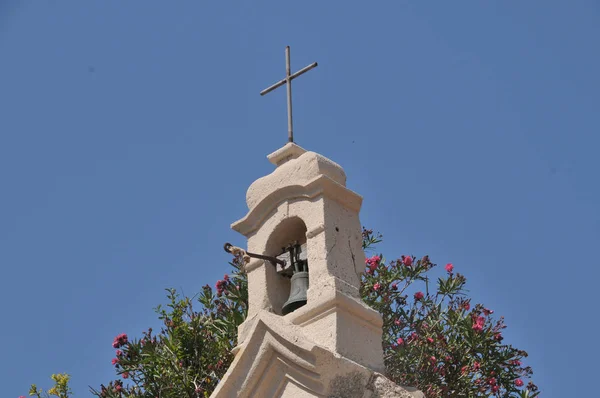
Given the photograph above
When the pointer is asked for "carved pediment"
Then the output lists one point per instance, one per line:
(278, 360)
(272, 360)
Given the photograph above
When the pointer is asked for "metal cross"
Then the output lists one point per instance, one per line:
(288, 80)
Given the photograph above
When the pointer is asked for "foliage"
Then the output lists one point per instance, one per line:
(436, 341)
(192, 351)
(59, 389)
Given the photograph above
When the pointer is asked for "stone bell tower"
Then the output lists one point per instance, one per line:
(305, 199)
(307, 334)
(330, 346)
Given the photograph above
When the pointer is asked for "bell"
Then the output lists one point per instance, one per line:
(299, 286)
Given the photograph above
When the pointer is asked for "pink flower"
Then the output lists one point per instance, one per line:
(220, 286)
(498, 336)
(407, 260)
(519, 383)
(376, 286)
(492, 381)
(429, 339)
(400, 341)
(118, 353)
(449, 267)
(478, 325)
(394, 286)
(467, 306)
(487, 312)
(115, 361)
(397, 322)
(476, 366)
(120, 340)
(373, 262)
(432, 360)
(226, 277)
(419, 295)
(125, 375)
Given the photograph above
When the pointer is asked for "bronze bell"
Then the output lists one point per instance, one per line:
(299, 286)
(299, 280)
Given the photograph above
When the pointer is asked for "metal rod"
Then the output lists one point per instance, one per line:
(304, 70)
(283, 81)
(288, 74)
(229, 246)
(273, 87)
(296, 259)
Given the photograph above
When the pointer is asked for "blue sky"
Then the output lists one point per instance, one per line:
(130, 130)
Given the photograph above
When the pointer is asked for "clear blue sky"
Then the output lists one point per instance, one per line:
(130, 130)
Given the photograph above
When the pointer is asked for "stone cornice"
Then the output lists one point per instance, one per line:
(320, 185)
(338, 301)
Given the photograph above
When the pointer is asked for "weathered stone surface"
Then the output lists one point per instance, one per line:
(351, 385)
(382, 387)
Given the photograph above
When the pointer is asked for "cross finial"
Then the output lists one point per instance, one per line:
(288, 80)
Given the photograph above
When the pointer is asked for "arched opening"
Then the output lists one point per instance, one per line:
(290, 231)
